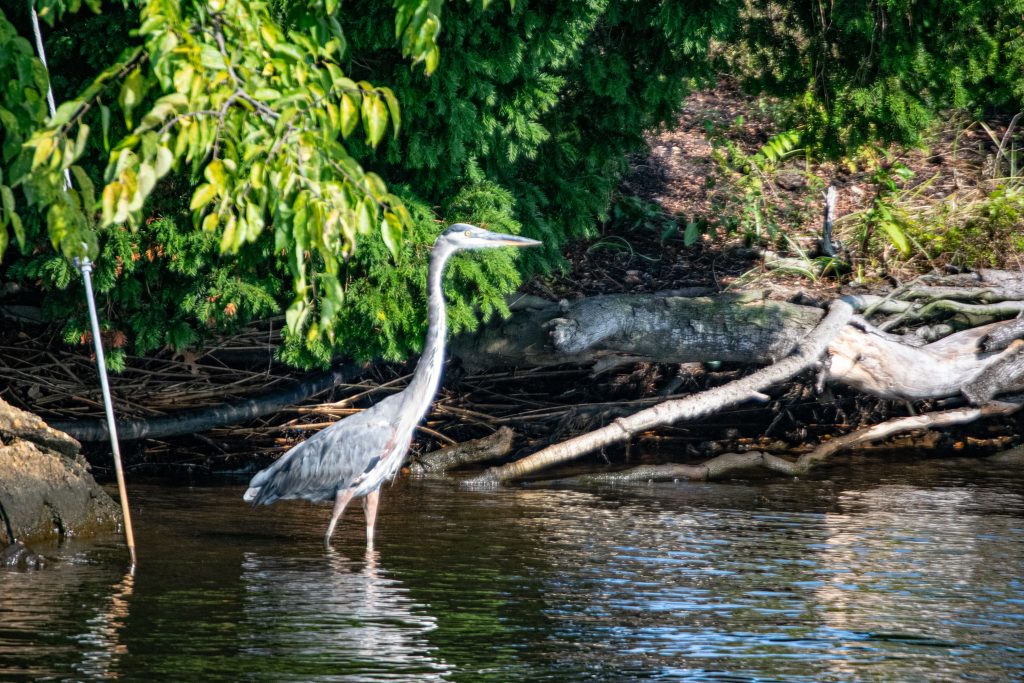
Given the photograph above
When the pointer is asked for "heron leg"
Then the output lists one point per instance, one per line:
(341, 499)
(370, 508)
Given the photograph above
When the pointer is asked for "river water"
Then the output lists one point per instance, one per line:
(896, 573)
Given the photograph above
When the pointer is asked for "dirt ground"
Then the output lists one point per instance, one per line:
(679, 181)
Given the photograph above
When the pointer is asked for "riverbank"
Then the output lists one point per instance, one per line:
(678, 226)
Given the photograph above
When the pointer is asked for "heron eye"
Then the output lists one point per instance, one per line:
(468, 233)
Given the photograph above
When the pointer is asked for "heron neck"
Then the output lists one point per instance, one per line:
(427, 376)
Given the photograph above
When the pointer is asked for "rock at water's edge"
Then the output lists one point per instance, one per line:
(46, 489)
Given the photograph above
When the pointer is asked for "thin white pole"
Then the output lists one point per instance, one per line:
(49, 90)
(85, 266)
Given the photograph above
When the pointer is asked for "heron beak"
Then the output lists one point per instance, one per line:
(503, 240)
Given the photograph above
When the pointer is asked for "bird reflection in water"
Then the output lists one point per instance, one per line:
(345, 615)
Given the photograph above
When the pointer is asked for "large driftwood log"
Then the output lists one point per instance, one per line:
(736, 328)
(740, 329)
(978, 363)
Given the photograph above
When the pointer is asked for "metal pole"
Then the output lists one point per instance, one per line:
(49, 90)
(85, 266)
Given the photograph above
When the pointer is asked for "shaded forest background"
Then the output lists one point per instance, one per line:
(547, 118)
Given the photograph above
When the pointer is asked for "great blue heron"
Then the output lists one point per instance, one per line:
(353, 457)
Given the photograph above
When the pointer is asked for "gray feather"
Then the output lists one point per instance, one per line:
(329, 461)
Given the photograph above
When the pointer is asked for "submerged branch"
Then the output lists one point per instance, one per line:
(729, 464)
(884, 430)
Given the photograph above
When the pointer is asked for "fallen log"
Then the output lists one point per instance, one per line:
(979, 363)
(744, 328)
(748, 330)
(189, 422)
(712, 400)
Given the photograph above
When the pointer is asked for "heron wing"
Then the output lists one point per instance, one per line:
(330, 460)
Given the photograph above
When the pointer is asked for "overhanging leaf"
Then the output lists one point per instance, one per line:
(391, 231)
(375, 118)
(131, 94)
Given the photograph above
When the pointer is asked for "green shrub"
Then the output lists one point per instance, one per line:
(862, 72)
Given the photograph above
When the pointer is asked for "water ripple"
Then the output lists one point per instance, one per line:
(914, 578)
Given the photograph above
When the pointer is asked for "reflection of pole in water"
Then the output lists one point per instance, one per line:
(346, 616)
(101, 642)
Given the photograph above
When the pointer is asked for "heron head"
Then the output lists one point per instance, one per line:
(466, 236)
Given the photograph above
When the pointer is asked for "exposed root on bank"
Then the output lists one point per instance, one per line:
(731, 464)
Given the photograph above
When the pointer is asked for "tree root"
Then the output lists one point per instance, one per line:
(876, 363)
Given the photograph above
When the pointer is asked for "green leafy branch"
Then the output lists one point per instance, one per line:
(259, 110)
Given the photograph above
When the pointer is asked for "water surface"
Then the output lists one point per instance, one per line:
(897, 573)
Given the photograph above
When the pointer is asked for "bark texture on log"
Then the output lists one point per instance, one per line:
(735, 328)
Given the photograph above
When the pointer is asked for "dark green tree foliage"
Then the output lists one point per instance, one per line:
(526, 119)
(163, 285)
(882, 69)
(545, 100)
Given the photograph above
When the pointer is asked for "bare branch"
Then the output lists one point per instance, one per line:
(884, 430)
